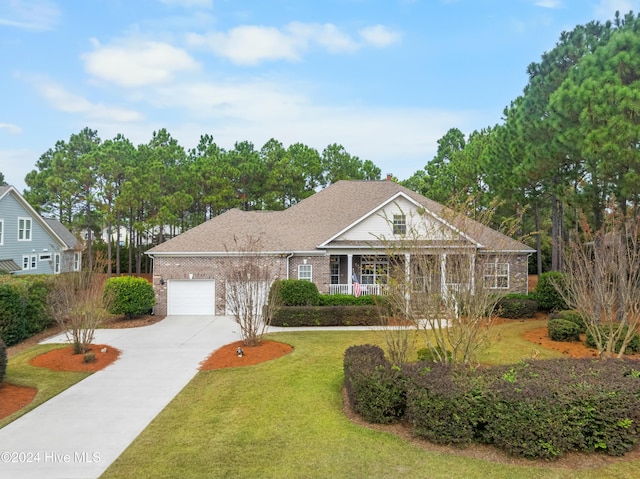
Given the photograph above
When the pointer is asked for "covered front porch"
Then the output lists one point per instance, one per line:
(437, 272)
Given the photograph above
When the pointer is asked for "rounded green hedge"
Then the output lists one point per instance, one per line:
(547, 294)
(128, 295)
(563, 330)
(297, 292)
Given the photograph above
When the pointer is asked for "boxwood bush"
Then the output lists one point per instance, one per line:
(128, 295)
(563, 330)
(297, 292)
(573, 316)
(375, 388)
(13, 306)
(346, 300)
(517, 306)
(3, 360)
(632, 347)
(534, 409)
(298, 316)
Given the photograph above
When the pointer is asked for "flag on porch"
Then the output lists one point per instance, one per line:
(356, 285)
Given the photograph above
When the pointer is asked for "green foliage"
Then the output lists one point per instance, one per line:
(375, 388)
(346, 300)
(128, 295)
(563, 330)
(297, 292)
(516, 306)
(606, 329)
(3, 360)
(13, 319)
(573, 316)
(431, 356)
(295, 316)
(547, 294)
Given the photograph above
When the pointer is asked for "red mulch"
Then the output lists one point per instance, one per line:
(13, 398)
(64, 360)
(227, 356)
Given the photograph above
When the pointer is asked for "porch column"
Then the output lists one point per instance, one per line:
(350, 272)
(443, 274)
(408, 281)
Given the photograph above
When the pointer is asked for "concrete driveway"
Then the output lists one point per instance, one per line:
(80, 432)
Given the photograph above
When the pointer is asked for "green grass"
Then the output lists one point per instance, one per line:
(48, 383)
(284, 419)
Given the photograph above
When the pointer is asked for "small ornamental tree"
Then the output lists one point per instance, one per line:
(129, 296)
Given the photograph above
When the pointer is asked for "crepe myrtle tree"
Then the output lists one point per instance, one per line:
(448, 297)
(602, 280)
(250, 297)
(77, 304)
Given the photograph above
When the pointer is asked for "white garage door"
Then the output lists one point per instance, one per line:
(191, 297)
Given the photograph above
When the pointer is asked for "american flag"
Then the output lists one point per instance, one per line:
(356, 286)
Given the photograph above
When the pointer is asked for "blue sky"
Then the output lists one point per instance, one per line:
(384, 78)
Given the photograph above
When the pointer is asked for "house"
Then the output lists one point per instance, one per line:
(31, 244)
(339, 234)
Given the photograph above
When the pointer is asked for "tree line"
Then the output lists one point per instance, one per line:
(159, 189)
(568, 146)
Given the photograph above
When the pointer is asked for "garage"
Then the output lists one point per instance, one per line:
(190, 297)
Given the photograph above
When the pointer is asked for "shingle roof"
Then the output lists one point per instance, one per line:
(63, 233)
(314, 220)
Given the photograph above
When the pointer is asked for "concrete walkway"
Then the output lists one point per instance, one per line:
(80, 432)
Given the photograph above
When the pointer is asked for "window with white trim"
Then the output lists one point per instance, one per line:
(44, 257)
(1, 232)
(34, 261)
(496, 275)
(25, 262)
(77, 258)
(334, 270)
(24, 229)
(305, 272)
(374, 270)
(399, 225)
(56, 263)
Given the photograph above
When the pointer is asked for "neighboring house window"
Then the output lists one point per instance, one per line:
(24, 229)
(334, 271)
(25, 262)
(304, 272)
(374, 270)
(56, 263)
(77, 257)
(1, 232)
(34, 261)
(399, 224)
(44, 257)
(496, 275)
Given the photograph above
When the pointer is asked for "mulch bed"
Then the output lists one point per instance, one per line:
(227, 356)
(63, 359)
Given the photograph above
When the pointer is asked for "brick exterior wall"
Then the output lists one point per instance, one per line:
(166, 268)
(320, 270)
(518, 270)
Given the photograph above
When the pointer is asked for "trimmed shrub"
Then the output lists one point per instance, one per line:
(13, 306)
(3, 360)
(346, 300)
(298, 292)
(516, 306)
(548, 297)
(632, 347)
(128, 295)
(573, 316)
(37, 316)
(298, 316)
(563, 330)
(374, 387)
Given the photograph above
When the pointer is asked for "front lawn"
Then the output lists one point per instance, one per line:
(284, 419)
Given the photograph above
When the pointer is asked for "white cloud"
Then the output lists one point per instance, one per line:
(15, 166)
(379, 36)
(189, 3)
(607, 8)
(12, 129)
(253, 44)
(35, 15)
(138, 63)
(549, 3)
(68, 102)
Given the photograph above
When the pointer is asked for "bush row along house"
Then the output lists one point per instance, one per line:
(340, 239)
(31, 244)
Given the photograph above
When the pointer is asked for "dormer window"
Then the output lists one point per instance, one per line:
(399, 224)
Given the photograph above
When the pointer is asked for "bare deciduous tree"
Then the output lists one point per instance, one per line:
(249, 278)
(603, 280)
(444, 295)
(77, 304)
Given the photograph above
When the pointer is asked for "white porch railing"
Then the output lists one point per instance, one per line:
(365, 289)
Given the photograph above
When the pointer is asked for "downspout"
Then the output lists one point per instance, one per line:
(288, 258)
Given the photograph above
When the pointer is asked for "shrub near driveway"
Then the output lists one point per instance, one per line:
(128, 295)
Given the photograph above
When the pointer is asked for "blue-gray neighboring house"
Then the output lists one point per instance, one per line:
(31, 244)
